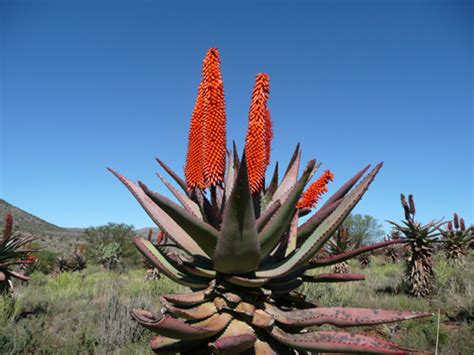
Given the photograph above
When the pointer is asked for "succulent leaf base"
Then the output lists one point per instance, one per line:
(242, 251)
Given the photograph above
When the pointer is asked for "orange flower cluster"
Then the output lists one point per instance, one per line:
(160, 238)
(205, 161)
(259, 133)
(314, 192)
(29, 258)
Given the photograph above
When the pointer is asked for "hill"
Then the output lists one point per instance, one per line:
(26, 222)
(50, 236)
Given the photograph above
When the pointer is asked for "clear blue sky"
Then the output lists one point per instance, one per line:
(90, 84)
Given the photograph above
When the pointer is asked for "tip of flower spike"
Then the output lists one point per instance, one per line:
(314, 192)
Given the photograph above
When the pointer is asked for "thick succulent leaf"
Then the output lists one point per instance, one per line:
(246, 282)
(164, 345)
(267, 215)
(190, 299)
(314, 221)
(336, 341)
(233, 344)
(262, 319)
(291, 175)
(344, 189)
(174, 328)
(17, 275)
(285, 287)
(187, 203)
(236, 156)
(230, 174)
(335, 259)
(278, 224)
(197, 271)
(237, 338)
(3, 276)
(163, 264)
(162, 219)
(245, 308)
(199, 312)
(207, 210)
(220, 197)
(331, 277)
(238, 247)
(204, 234)
(339, 316)
(292, 234)
(314, 171)
(322, 233)
(272, 187)
(175, 176)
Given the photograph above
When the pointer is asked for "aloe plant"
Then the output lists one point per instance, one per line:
(14, 252)
(456, 240)
(419, 274)
(339, 244)
(393, 252)
(74, 262)
(243, 253)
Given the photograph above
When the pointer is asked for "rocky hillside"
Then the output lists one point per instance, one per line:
(50, 236)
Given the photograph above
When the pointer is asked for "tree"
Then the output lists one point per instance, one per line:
(115, 237)
(363, 229)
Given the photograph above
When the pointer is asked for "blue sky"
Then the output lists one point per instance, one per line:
(85, 85)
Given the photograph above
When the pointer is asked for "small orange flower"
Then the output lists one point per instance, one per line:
(314, 192)
(259, 133)
(160, 237)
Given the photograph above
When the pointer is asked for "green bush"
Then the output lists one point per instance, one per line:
(46, 261)
(112, 234)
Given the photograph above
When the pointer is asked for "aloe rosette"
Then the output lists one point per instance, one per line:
(456, 240)
(242, 251)
(15, 251)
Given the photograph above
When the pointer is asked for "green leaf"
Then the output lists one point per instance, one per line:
(175, 176)
(162, 219)
(187, 203)
(291, 175)
(278, 224)
(322, 234)
(161, 262)
(204, 234)
(344, 189)
(238, 239)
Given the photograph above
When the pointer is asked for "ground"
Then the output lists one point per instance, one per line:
(88, 311)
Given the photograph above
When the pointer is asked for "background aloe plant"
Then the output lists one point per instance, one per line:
(14, 252)
(419, 275)
(241, 249)
(339, 244)
(456, 240)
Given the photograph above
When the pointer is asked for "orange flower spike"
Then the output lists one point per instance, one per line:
(268, 136)
(215, 150)
(257, 142)
(194, 169)
(314, 192)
